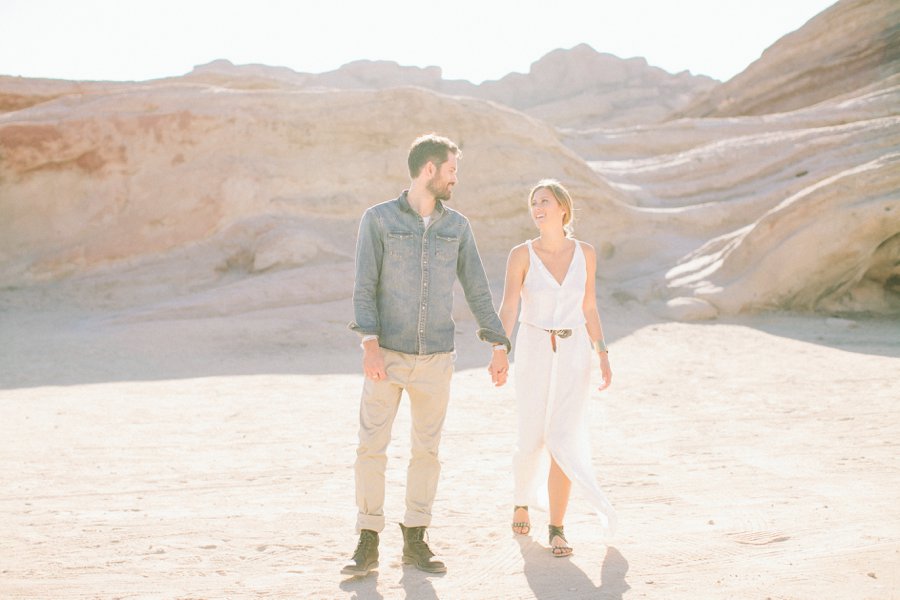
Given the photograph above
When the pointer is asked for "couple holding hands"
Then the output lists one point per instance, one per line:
(410, 251)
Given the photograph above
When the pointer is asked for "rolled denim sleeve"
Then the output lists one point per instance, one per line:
(470, 271)
(369, 252)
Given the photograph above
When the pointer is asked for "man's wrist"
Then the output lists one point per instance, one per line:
(600, 346)
(498, 347)
(367, 338)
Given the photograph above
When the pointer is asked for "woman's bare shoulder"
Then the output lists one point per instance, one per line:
(519, 255)
(519, 250)
(587, 248)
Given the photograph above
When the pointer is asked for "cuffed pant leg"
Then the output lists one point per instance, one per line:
(429, 394)
(378, 408)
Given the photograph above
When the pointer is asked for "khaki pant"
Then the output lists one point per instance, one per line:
(426, 379)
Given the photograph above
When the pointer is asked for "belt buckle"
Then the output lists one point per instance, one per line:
(558, 333)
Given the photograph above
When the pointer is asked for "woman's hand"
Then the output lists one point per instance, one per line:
(605, 370)
(499, 367)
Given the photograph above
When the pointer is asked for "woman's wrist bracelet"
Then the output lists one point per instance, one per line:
(600, 345)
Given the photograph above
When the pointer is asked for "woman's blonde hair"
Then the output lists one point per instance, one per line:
(562, 198)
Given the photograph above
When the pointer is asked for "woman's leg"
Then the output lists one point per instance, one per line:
(568, 437)
(559, 486)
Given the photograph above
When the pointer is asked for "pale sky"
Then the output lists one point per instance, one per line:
(468, 39)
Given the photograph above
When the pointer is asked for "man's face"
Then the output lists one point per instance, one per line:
(441, 184)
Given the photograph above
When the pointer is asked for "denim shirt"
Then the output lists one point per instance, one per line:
(405, 274)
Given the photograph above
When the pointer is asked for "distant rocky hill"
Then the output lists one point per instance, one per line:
(576, 88)
(580, 89)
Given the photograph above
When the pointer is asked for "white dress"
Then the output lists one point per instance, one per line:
(552, 405)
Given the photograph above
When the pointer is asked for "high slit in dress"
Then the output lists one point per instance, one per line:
(553, 387)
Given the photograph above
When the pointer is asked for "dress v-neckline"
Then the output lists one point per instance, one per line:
(544, 268)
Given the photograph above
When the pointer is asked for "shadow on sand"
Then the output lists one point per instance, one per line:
(552, 578)
(49, 343)
(415, 584)
(365, 588)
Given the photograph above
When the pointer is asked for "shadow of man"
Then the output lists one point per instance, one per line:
(550, 577)
(366, 588)
(416, 584)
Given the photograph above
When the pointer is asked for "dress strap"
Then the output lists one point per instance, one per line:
(531, 254)
(580, 251)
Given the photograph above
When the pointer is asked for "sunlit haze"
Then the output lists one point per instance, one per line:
(468, 39)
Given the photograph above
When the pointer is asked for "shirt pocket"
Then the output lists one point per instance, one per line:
(446, 248)
(401, 244)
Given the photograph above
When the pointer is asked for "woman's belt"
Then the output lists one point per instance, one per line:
(557, 333)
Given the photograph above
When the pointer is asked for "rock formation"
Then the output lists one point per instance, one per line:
(576, 88)
(795, 210)
(851, 45)
(225, 182)
(239, 188)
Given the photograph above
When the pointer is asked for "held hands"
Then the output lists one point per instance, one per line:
(499, 367)
(605, 371)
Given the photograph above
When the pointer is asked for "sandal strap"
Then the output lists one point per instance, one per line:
(563, 549)
(557, 530)
(522, 527)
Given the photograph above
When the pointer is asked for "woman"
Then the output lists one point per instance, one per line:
(559, 332)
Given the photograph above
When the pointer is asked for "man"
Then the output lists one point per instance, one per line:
(409, 253)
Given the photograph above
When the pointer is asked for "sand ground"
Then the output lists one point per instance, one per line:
(754, 458)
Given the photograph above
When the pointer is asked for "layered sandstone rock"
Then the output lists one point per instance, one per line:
(797, 211)
(252, 179)
(852, 44)
(240, 188)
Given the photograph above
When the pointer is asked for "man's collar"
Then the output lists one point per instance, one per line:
(404, 204)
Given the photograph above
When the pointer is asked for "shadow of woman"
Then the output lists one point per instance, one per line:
(550, 577)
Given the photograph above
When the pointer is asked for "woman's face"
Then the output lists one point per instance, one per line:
(545, 210)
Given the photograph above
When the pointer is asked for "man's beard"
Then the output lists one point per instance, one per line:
(439, 189)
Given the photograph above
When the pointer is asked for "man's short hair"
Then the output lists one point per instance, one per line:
(430, 148)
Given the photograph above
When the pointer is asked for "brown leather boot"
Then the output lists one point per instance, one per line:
(366, 556)
(416, 551)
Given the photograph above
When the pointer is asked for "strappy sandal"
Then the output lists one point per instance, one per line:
(559, 550)
(521, 527)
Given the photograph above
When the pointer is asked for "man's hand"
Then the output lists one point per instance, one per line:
(373, 361)
(499, 367)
